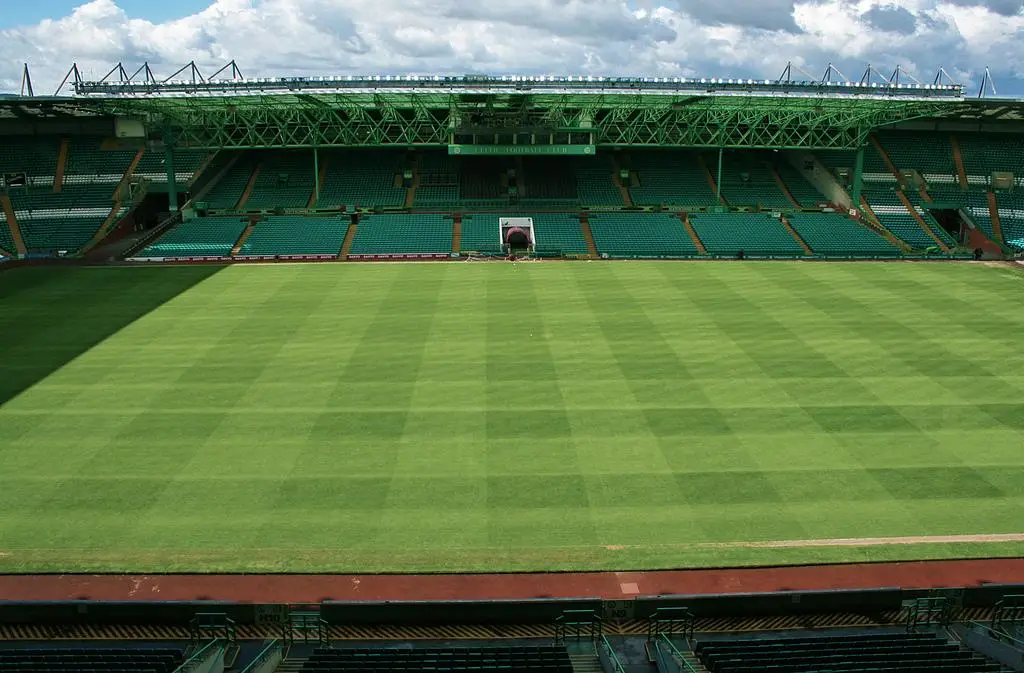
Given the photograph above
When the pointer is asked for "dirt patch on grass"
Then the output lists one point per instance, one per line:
(875, 541)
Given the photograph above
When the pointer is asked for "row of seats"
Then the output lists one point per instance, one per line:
(90, 660)
(65, 220)
(669, 178)
(641, 235)
(747, 180)
(832, 234)
(547, 659)
(402, 234)
(918, 653)
(199, 237)
(296, 235)
(753, 233)
(616, 234)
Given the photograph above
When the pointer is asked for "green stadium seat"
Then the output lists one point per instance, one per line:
(594, 182)
(390, 234)
(287, 179)
(67, 220)
(296, 235)
(558, 233)
(361, 178)
(641, 235)
(833, 234)
(480, 233)
(806, 194)
(920, 653)
(930, 154)
(152, 167)
(439, 181)
(670, 178)
(893, 214)
(756, 234)
(200, 237)
(225, 194)
(748, 181)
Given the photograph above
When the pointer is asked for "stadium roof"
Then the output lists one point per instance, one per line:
(408, 110)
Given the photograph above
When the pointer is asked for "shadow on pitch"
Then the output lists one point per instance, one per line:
(51, 315)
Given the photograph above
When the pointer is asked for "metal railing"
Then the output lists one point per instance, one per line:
(199, 657)
(677, 656)
(609, 660)
(273, 650)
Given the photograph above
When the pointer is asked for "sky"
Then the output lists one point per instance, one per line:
(730, 38)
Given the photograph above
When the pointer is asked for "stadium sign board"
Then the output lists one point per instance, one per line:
(566, 150)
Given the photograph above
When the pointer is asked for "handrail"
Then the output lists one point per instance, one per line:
(271, 649)
(197, 657)
(674, 651)
(153, 234)
(613, 658)
(1000, 635)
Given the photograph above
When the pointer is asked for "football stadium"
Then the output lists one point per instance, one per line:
(510, 373)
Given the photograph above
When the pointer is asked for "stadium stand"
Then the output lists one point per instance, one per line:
(361, 178)
(296, 235)
(908, 652)
(803, 192)
(285, 180)
(541, 658)
(976, 206)
(36, 158)
(439, 181)
(200, 237)
(747, 180)
(641, 235)
(225, 194)
(594, 182)
(480, 233)
(669, 178)
(152, 167)
(1011, 217)
(63, 217)
(756, 234)
(89, 660)
(987, 152)
(895, 217)
(87, 163)
(388, 234)
(930, 154)
(558, 233)
(547, 182)
(832, 234)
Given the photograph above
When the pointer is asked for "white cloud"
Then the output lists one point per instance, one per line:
(714, 37)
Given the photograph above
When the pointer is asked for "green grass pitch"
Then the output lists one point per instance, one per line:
(456, 417)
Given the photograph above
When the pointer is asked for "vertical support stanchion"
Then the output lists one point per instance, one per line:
(316, 175)
(718, 177)
(858, 177)
(172, 182)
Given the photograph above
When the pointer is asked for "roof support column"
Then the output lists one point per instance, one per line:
(718, 176)
(316, 174)
(858, 177)
(172, 180)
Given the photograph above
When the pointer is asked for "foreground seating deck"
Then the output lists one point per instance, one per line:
(853, 654)
(546, 659)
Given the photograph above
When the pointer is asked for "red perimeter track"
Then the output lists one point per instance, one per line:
(607, 585)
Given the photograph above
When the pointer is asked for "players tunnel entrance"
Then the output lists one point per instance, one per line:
(950, 220)
(517, 239)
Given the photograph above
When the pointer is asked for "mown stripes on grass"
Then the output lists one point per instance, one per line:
(499, 416)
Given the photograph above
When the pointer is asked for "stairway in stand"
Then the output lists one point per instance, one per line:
(291, 665)
(586, 663)
(346, 245)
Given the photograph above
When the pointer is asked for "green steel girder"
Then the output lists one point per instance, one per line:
(407, 119)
